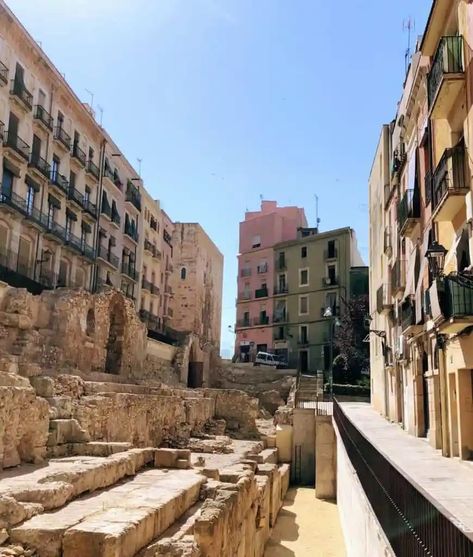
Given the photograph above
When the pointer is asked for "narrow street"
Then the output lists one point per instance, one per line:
(306, 527)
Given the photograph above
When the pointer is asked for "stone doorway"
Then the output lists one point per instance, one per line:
(195, 372)
(113, 361)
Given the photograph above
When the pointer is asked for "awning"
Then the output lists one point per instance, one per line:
(450, 264)
(32, 184)
(54, 201)
(71, 215)
(420, 281)
(86, 227)
(11, 167)
(410, 280)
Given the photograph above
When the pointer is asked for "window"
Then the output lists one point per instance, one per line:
(69, 225)
(331, 301)
(303, 305)
(332, 274)
(72, 179)
(256, 243)
(30, 195)
(91, 154)
(246, 318)
(87, 195)
(303, 277)
(41, 98)
(36, 149)
(303, 334)
(183, 273)
(55, 167)
(331, 250)
(7, 184)
(304, 251)
(51, 214)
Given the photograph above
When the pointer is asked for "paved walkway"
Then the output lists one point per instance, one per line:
(306, 527)
(445, 482)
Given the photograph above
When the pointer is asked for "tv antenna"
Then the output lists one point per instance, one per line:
(100, 109)
(91, 98)
(317, 220)
(410, 25)
(139, 167)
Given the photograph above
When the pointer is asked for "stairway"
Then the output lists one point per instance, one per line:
(310, 388)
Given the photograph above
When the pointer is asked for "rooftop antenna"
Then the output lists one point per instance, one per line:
(139, 167)
(410, 25)
(91, 98)
(100, 109)
(317, 220)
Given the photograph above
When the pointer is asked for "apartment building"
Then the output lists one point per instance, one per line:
(166, 301)
(423, 281)
(313, 278)
(259, 233)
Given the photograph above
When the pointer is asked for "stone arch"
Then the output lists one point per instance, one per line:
(90, 323)
(116, 331)
(195, 372)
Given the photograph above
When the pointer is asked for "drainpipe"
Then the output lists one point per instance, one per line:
(443, 396)
(95, 268)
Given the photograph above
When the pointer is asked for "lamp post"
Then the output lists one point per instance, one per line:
(436, 257)
(333, 323)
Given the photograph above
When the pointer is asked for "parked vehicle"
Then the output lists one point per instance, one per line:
(266, 359)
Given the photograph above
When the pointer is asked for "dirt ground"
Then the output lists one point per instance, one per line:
(306, 527)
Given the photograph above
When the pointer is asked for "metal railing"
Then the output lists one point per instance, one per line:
(329, 281)
(149, 246)
(75, 195)
(133, 195)
(79, 154)
(450, 174)
(131, 232)
(261, 293)
(245, 295)
(19, 90)
(15, 142)
(408, 208)
(115, 217)
(63, 137)
(107, 255)
(411, 523)
(261, 269)
(398, 280)
(243, 323)
(448, 60)
(408, 314)
(281, 263)
(262, 320)
(245, 272)
(60, 181)
(331, 253)
(93, 169)
(129, 270)
(43, 116)
(281, 289)
(41, 165)
(106, 209)
(458, 299)
(90, 207)
(282, 317)
(3, 73)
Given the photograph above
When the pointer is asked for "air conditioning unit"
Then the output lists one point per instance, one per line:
(469, 206)
(328, 281)
(400, 348)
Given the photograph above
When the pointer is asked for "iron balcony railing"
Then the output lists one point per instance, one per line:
(149, 246)
(450, 174)
(3, 74)
(383, 296)
(243, 323)
(78, 244)
(398, 280)
(93, 169)
(303, 341)
(329, 281)
(75, 195)
(408, 314)
(15, 142)
(408, 208)
(106, 209)
(261, 293)
(54, 228)
(133, 195)
(153, 223)
(20, 204)
(457, 297)
(245, 295)
(281, 289)
(280, 317)
(41, 165)
(146, 285)
(262, 320)
(90, 207)
(281, 263)
(131, 233)
(60, 181)
(107, 255)
(115, 217)
(331, 253)
(261, 269)
(63, 137)
(280, 335)
(79, 154)
(428, 180)
(43, 116)
(448, 60)
(245, 272)
(19, 90)
(129, 270)
(412, 524)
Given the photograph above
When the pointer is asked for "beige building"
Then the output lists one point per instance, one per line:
(165, 303)
(197, 286)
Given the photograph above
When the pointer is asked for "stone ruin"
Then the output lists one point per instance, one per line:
(100, 458)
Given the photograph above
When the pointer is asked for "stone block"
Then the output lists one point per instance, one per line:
(166, 458)
(44, 386)
(66, 431)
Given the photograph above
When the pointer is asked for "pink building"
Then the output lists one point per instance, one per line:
(259, 233)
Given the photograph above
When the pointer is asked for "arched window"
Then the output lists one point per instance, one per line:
(90, 326)
(183, 273)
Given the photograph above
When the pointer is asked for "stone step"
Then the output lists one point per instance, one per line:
(68, 430)
(96, 387)
(118, 521)
(62, 480)
(92, 448)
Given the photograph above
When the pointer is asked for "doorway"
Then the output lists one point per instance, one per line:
(195, 371)
(113, 361)
(425, 389)
(303, 361)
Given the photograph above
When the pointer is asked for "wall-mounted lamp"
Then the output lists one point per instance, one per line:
(436, 257)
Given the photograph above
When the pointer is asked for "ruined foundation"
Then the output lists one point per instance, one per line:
(100, 458)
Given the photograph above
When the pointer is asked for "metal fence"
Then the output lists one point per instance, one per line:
(412, 524)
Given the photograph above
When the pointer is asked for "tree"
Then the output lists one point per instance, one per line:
(352, 353)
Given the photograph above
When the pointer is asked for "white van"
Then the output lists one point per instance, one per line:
(266, 359)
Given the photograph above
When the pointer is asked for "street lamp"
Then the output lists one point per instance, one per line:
(334, 322)
(436, 257)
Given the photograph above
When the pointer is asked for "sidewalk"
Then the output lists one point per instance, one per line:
(306, 527)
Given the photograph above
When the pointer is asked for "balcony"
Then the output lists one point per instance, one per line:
(245, 272)
(408, 318)
(244, 296)
(387, 245)
(108, 256)
(261, 293)
(3, 74)
(242, 323)
(398, 279)
(281, 264)
(146, 285)
(63, 138)
(408, 212)
(329, 281)
(451, 303)
(79, 155)
(75, 243)
(331, 253)
(19, 149)
(53, 229)
(280, 317)
(89, 207)
(115, 217)
(153, 223)
(280, 335)
(42, 116)
(93, 169)
(281, 290)
(150, 247)
(262, 320)
(106, 209)
(334, 309)
(21, 94)
(12, 201)
(59, 181)
(449, 184)
(40, 166)
(447, 76)
(133, 195)
(75, 196)
(303, 341)
(129, 270)
(384, 302)
(131, 232)
(261, 269)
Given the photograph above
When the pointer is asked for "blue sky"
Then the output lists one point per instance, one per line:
(227, 100)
